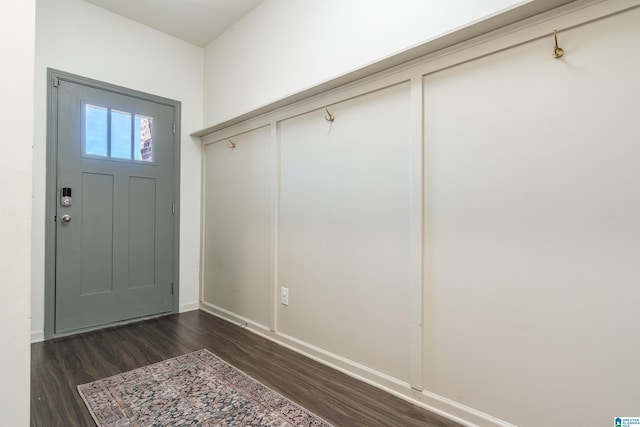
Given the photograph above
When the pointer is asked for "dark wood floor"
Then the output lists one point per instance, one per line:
(58, 366)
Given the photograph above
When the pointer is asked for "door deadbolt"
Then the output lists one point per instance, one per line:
(65, 196)
(66, 219)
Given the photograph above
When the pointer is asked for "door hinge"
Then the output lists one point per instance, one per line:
(56, 82)
(174, 128)
(173, 208)
(172, 289)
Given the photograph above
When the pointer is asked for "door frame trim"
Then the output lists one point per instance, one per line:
(53, 76)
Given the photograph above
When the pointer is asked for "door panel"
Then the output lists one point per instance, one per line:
(96, 222)
(142, 226)
(114, 259)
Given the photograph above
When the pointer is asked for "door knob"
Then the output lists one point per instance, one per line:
(66, 219)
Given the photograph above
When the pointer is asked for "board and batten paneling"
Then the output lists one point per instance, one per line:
(531, 238)
(344, 224)
(237, 225)
(532, 178)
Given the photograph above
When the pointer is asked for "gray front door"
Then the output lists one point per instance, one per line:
(114, 240)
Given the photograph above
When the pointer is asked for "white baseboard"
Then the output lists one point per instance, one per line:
(432, 402)
(37, 336)
(188, 307)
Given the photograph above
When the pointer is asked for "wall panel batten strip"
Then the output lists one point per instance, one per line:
(275, 212)
(416, 194)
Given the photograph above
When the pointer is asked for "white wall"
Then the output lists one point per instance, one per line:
(532, 170)
(237, 187)
(344, 229)
(285, 46)
(531, 239)
(77, 37)
(341, 188)
(16, 122)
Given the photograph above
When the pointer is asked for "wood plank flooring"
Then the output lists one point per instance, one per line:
(59, 365)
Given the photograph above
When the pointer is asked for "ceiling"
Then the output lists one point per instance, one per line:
(195, 21)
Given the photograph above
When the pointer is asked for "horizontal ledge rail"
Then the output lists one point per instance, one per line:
(443, 41)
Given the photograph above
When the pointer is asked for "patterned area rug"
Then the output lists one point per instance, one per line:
(197, 389)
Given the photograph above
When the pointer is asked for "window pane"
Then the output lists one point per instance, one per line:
(120, 135)
(95, 130)
(143, 141)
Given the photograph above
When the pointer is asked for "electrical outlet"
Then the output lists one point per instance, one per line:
(284, 296)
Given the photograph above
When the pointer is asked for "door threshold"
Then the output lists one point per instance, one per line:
(108, 325)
